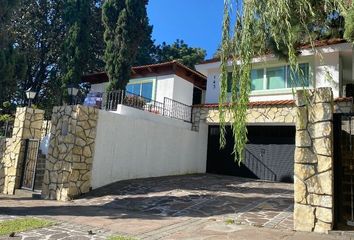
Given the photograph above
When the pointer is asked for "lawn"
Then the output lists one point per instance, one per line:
(21, 225)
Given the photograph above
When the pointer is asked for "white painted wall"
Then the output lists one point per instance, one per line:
(100, 87)
(164, 87)
(129, 148)
(320, 67)
(328, 64)
(139, 114)
(183, 91)
(170, 86)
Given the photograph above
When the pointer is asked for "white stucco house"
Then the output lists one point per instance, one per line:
(172, 80)
(271, 117)
(270, 76)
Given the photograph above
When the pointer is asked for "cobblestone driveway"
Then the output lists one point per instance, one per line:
(159, 208)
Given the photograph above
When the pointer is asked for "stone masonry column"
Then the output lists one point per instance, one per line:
(313, 181)
(70, 154)
(28, 125)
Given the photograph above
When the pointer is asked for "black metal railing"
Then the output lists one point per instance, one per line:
(169, 108)
(29, 163)
(254, 164)
(178, 110)
(6, 129)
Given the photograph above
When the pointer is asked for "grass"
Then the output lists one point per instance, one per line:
(229, 221)
(120, 238)
(21, 225)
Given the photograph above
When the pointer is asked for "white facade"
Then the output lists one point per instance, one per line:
(129, 147)
(170, 86)
(335, 61)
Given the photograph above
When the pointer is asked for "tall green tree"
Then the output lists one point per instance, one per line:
(180, 51)
(96, 42)
(39, 33)
(125, 24)
(76, 45)
(12, 64)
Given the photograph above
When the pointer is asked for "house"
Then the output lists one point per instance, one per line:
(156, 82)
(271, 117)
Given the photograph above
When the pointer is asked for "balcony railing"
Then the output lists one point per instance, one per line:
(169, 107)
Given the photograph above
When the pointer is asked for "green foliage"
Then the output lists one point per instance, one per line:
(181, 52)
(22, 224)
(39, 33)
(134, 101)
(76, 44)
(349, 25)
(6, 118)
(262, 25)
(12, 67)
(125, 27)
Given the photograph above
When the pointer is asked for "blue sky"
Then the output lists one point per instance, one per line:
(197, 22)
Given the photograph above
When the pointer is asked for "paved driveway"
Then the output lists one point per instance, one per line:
(160, 208)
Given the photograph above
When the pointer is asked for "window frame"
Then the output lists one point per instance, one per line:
(141, 81)
(287, 88)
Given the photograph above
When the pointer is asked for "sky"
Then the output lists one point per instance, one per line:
(197, 22)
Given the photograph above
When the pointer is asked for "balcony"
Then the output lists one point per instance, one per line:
(109, 101)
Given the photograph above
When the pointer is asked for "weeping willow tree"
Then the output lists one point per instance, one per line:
(248, 28)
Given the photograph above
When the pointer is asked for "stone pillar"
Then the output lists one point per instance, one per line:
(28, 125)
(313, 181)
(70, 154)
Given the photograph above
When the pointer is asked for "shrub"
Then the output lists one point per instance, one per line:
(134, 101)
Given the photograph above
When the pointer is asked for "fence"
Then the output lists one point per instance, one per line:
(169, 108)
(6, 129)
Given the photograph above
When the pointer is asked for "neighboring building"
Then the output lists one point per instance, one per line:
(271, 116)
(172, 80)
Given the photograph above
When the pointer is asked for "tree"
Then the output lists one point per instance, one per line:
(12, 64)
(39, 33)
(257, 23)
(125, 24)
(76, 45)
(96, 42)
(181, 52)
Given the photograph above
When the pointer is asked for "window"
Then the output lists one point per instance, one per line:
(257, 79)
(143, 88)
(276, 78)
(229, 82)
(146, 90)
(300, 78)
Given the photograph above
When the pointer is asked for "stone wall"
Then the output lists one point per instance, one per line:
(262, 113)
(255, 114)
(70, 154)
(3, 144)
(313, 181)
(27, 125)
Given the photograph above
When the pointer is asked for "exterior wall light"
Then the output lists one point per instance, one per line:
(30, 94)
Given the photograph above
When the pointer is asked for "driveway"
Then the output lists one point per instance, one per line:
(194, 207)
(160, 208)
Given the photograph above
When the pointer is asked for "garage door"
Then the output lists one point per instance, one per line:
(269, 154)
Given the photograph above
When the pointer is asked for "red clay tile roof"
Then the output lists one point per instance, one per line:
(317, 43)
(159, 69)
(270, 103)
